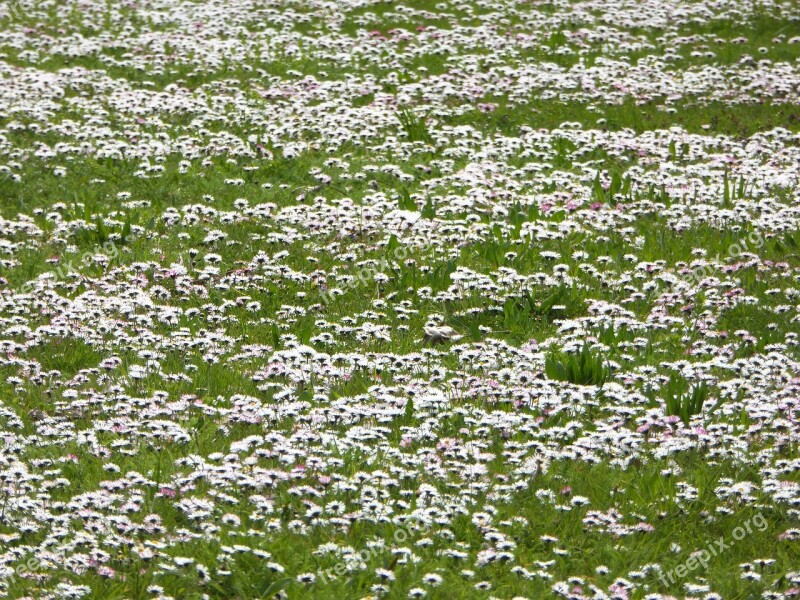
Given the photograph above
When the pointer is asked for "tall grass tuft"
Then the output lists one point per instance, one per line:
(682, 403)
(585, 368)
(415, 127)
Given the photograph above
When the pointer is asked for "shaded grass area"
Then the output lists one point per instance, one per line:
(709, 118)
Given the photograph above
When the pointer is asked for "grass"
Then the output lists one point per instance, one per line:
(538, 222)
(584, 368)
(683, 403)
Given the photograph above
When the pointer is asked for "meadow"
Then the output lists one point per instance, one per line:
(351, 299)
